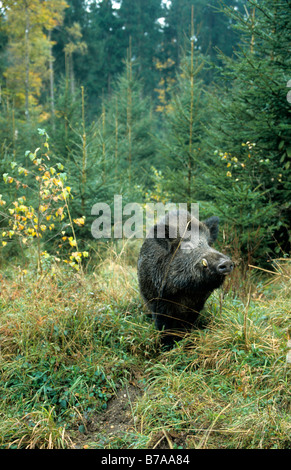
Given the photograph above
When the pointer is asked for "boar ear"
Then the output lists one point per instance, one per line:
(213, 224)
(162, 236)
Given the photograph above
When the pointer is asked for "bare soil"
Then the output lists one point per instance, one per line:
(115, 422)
(118, 420)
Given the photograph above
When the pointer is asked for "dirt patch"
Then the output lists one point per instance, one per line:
(110, 428)
(115, 422)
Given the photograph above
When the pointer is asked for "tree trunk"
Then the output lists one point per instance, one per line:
(26, 42)
(51, 72)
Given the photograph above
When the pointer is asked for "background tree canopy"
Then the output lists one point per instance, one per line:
(177, 101)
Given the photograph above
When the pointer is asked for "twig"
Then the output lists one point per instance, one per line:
(245, 319)
(266, 270)
(204, 440)
(168, 439)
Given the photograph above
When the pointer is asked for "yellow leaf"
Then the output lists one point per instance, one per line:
(31, 232)
(60, 211)
(79, 221)
(4, 243)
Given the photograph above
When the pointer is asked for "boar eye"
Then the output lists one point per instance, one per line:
(204, 262)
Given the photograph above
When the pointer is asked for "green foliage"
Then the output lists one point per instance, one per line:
(182, 146)
(38, 204)
(211, 29)
(242, 201)
(144, 36)
(228, 150)
(255, 110)
(38, 384)
(130, 121)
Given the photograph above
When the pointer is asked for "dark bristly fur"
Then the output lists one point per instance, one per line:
(174, 282)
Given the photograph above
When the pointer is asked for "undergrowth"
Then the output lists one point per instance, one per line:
(69, 341)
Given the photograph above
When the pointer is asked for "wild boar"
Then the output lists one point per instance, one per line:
(177, 272)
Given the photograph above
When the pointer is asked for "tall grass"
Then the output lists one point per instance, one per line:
(228, 386)
(70, 341)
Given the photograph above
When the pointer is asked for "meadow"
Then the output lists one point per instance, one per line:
(82, 365)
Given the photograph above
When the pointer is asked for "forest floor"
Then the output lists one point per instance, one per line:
(115, 422)
(82, 366)
(118, 420)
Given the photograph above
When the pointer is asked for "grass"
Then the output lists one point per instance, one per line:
(69, 341)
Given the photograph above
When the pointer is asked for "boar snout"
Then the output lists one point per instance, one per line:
(225, 267)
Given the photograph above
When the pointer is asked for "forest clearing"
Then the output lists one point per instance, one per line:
(108, 108)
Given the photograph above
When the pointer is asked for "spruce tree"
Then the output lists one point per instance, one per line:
(140, 24)
(212, 29)
(252, 123)
(130, 119)
(104, 60)
(182, 148)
